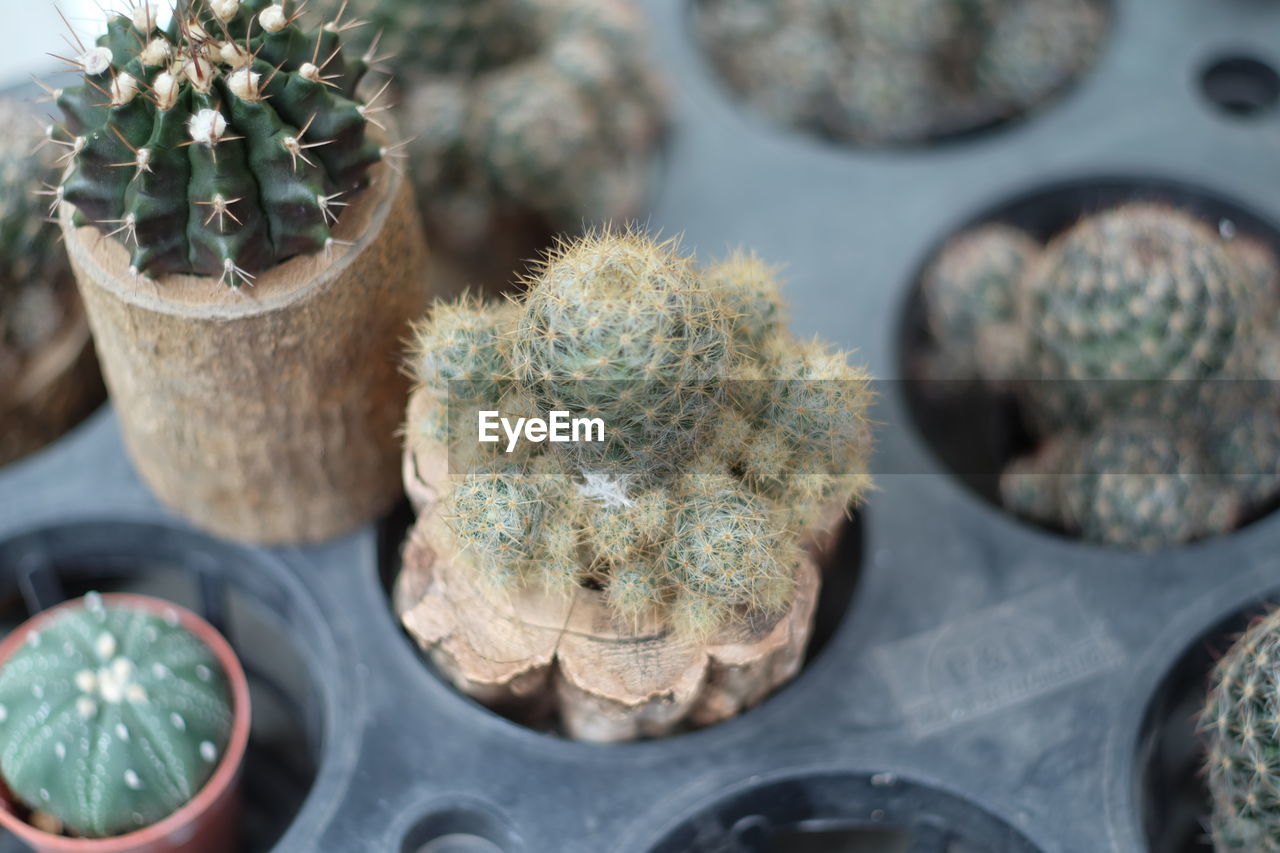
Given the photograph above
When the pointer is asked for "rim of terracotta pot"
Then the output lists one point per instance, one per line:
(223, 777)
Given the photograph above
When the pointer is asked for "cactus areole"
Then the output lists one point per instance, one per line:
(219, 146)
(122, 718)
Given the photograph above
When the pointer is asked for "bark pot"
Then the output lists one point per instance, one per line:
(209, 823)
(269, 413)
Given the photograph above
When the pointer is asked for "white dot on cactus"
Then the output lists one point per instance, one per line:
(208, 751)
(122, 731)
(60, 750)
(225, 9)
(136, 694)
(138, 819)
(44, 794)
(207, 127)
(131, 779)
(4, 713)
(86, 707)
(159, 670)
(234, 55)
(86, 681)
(68, 649)
(96, 60)
(178, 723)
(123, 89)
(143, 160)
(37, 691)
(170, 617)
(122, 669)
(309, 71)
(93, 602)
(144, 17)
(157, 52)
(199, 72)
(33, 639)
(105, 645)
(273, 19)
(244, 84)
(202, 672)
(165, 88)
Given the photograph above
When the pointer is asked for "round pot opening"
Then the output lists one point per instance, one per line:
(875, 813)
(974, 430)
(241, 595)
(840, 574)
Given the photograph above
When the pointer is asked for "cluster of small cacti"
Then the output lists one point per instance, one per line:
(1139, 346)
(546, 109)
(1242, 738)
(899, 71)
(111, 718)
(220, 145)
(35, 279)
(725, 439)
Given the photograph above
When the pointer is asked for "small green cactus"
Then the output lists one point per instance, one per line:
(541, 108)
(1238, 726)
(699, 384)
(111, 717)
(220, 146)
(899, 71)
(970, 295)
(35, 278)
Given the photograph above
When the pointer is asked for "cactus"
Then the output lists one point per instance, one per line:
(1133, 308)
(970, 297)
(898, 71)
(1237, 725)
(539, 108)
(111, 718)
(220, 146)
(699, 385)
(34, 275)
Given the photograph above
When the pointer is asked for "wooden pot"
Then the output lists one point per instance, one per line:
(270, 413)
(534, 656)
(56, 388)
(210, 821)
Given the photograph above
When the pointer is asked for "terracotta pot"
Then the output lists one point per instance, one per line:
(209, 823)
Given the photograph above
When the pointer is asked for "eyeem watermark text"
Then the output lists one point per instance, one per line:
(558, 427)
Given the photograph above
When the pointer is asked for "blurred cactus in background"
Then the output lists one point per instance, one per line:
(887, 72)
(1140, 347)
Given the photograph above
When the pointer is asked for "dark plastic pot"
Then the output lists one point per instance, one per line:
(209, 822)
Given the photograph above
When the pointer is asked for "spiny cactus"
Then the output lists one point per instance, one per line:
(540, 108)
(220, 146)
(35, 280)
(1135, 306)
(899, 71)
(1239, 725)
(673, 516)
(970, 299)
(111, 717)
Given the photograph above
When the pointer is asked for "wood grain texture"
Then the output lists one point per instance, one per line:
(267, 414)
(531, 655)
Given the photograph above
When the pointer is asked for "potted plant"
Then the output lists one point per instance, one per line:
(48, 374)
(123, 724)
(887, 72)
(1137, 345)
(529, 118)
(263, 254)
(660, 573)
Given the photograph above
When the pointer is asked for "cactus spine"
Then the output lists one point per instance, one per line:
(219, 146)
(111, 718)
(667, 515)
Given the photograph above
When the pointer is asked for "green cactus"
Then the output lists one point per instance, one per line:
(882, 72)
(1133, 308)
(35, 278)
(547, 109)
(220, 146)
(1137, 483)
(970, 295)
(111, 718)
(677, 517)
(1238, 728)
